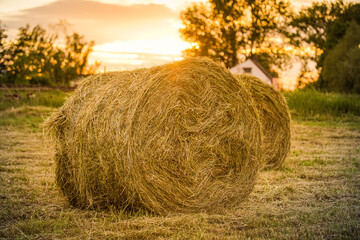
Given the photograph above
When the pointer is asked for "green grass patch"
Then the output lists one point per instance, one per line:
(17, 98)
(329, 122)
(26, 116)
(311, 162)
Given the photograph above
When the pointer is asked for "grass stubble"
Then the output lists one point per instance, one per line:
(316, 194)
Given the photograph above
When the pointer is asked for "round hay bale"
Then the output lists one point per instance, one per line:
(274, 118)
(182, 137)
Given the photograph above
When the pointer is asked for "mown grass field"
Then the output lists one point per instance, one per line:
(316, 195)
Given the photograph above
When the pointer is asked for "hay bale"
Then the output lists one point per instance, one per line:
(274, 118)
(181, 137)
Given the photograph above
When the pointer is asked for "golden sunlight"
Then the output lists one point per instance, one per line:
(121, 55)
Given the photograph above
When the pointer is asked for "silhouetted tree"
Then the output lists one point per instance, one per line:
(225, 30)
(35, 58)
(3, 36)
(77, 51)
(341, 71)
(29, 56)
(72, 60)
(311, 25)
(322, 26)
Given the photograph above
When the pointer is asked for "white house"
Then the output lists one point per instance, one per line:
(253, 67)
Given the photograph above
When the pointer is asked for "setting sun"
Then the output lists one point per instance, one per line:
(122, 54)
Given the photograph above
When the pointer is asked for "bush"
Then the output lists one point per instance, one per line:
(310, 102)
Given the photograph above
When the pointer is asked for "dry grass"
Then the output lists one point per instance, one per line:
(316, 195)
(181, 137)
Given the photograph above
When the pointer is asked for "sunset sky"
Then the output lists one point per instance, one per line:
(127, 33)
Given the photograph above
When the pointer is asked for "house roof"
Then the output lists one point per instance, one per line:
(255, 60)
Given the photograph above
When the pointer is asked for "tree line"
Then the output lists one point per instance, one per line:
(229, 31)
(40, 56)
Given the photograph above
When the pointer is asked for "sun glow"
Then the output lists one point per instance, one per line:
(121, 55)
(175, 5)
(157, 47)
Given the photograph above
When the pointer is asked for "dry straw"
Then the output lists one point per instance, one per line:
(182, 137)
(275, 120)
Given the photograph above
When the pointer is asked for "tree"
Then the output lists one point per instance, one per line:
(35, 58)
(352, 69)
(227, 30)
(311, 25)
(322, 26)
(29, 56)
(72, 60)
(338, 28)
(341, 70)
(336, 33)
(77, 51)
(3, 36)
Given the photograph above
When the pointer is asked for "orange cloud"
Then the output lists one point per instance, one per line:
(102, 22)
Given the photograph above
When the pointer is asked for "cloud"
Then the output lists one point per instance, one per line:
(102, 22)
(11, 5)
